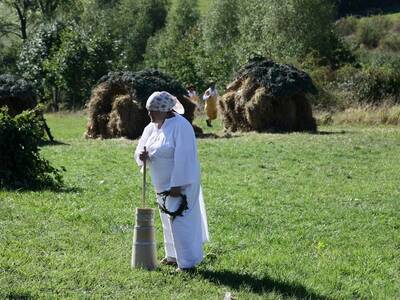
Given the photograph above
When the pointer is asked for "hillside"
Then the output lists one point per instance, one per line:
(373, 33)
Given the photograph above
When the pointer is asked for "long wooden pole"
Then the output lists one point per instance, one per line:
(144, 181)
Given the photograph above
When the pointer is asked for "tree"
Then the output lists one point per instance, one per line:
(220, 35)
(286, 29)
(220, 28)
(28, 12)
(174, 49)
(24, 10)
(143, 18)
(63, 61)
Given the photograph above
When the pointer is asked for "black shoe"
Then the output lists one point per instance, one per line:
(208, 123)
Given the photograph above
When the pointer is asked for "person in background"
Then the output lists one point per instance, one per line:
(191, 90)
(210, 97)
(171, 153)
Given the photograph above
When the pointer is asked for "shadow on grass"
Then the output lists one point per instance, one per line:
(329, 132)
(260, 286)
(216, 136)
(53, 143)
(229, 135)
(20, 296)
(55, 189)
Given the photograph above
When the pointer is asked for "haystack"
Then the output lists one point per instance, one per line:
(16, 94)
(117, 107)
(266, 96)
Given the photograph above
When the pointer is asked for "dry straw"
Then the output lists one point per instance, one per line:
(117, 104)
(266, 96)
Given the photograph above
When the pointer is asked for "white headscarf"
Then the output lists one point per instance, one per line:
(164, 102)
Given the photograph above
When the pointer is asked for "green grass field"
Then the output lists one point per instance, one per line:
(291, 216)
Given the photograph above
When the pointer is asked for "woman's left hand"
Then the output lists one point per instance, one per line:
(175, 191)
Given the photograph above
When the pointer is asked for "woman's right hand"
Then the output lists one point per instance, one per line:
(144, 155)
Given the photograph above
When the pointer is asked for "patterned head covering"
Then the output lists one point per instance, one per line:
(164, 102)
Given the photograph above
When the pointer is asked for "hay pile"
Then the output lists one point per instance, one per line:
(266, 96)
(16, 94)
(117, 107)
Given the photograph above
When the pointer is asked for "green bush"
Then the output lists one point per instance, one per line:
(391, 42)
(375, 85)
(346, 26)
(371, 30)
(21, 165)
(388, 60)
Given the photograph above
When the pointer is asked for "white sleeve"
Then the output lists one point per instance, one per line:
(142, 142)
(186, 165)
(205, 97)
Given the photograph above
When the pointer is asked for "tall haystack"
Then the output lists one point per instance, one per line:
(266, 96)
(16, 94)
(117, 107)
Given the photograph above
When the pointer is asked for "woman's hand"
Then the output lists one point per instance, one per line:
(175, 191)
(144, 155)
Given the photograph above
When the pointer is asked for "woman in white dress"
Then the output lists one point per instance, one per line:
(171, 153)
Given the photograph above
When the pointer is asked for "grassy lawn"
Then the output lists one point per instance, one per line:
(290, 215)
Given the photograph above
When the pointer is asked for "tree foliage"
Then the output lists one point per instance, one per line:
(174, 48)
(286, 29)
(143, 18)
(67, 60)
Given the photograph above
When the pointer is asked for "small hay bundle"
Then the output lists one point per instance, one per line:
(266, 96)
(16, 94)
(117, 107)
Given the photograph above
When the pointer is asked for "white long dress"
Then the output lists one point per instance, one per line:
(173, 162)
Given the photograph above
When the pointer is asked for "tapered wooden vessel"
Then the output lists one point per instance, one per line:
(144, 248)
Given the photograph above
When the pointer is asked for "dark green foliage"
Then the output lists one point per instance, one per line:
(8, 58)
(16, 94)
(346, 26)
(374, 85)
(391, 42)
(221, 24)
(21, 164)
(281, 80)
(63, 61)
(144, 83)
(219, 41)
(143, 18)
(371, 30)
(285, 30)
(175, 48)
(36, 50)
(11, 86)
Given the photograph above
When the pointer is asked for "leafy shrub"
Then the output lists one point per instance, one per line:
(391, 42)
(346, 26)
(374, 85)
(21, 165)
(371, 30)
(388, 60)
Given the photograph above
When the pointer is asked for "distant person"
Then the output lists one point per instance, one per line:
(171, 152)
(210, 97)
(191, 90)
